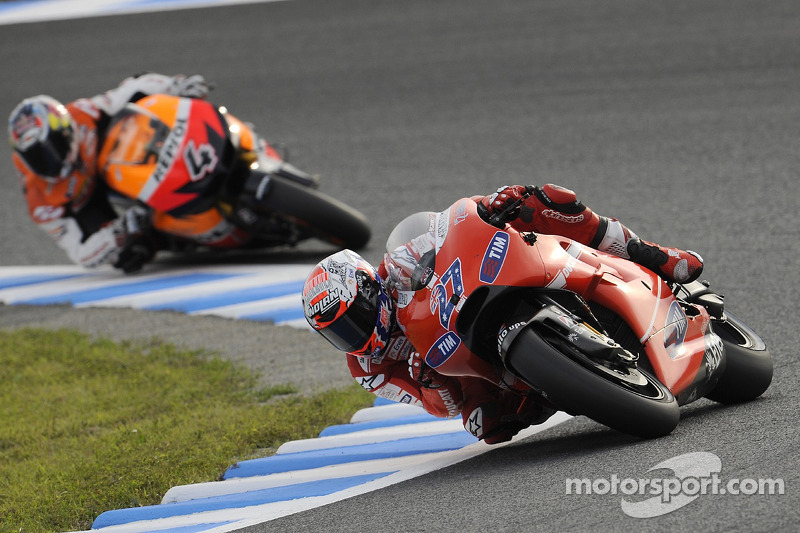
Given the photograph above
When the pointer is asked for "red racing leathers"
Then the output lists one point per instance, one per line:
(550, 209)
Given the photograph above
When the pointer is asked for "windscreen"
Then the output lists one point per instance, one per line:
(138, 137)
(411, 252)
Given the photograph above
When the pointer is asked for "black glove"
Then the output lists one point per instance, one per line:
(138, 240)
(135, 255)
(427, 377)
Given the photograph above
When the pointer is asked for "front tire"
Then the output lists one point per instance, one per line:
(314, 213)
(629, 400)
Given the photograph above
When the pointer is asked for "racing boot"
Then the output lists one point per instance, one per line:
(498, 420)
(485, 422)
(672, 264)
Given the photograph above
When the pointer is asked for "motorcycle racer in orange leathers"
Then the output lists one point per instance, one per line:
(55, 154)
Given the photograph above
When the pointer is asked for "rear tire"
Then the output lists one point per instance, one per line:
(315, 214)
(631, 401)
(748, 365)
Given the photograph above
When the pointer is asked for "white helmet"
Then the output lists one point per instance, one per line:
(344, 300)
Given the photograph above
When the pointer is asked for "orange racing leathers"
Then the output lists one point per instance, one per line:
(75, 211)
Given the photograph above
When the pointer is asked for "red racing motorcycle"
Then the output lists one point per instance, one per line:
(589, 333)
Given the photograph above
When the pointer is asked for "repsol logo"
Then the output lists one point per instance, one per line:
(170, 149)
(444, 347)
(494, 257)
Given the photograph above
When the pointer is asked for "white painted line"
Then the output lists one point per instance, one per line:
(257, 514)
(70, 9)
(384, 412)
(246, 484)
(370, 436)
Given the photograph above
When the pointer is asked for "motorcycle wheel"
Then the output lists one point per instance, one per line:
(748, 365)
(315, 214)
(629, 400)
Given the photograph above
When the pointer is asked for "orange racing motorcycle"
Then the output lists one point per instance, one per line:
(201, 171)
(584, 331)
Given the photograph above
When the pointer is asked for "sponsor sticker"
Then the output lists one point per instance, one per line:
(444, 347)
(494, 257)
(675, 330)
(442, 227)
(446, 294)
(561, 217)
(714, 351)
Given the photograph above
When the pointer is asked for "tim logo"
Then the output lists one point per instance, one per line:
(494, 257)
(675, 332)
(442, 349)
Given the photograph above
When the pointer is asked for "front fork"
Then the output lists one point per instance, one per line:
(270, 161)
(555, 321)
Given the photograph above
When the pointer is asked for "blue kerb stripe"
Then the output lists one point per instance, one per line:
(250, 294)
(276, 315)
(383, 401)
(341, 429)
(33, 279)
(347, 454)
(11, 6)
(196, 528)
(124, 289)
(233, 501)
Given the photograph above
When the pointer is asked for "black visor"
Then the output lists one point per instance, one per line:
(47, 157)
(351, 331)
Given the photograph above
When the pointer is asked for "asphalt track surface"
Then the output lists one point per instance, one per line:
(679, 118)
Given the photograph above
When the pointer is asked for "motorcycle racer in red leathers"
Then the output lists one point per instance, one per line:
(352, 304)
(55, 154)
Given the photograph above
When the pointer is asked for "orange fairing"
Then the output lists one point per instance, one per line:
(193, 227)
(164, 151)
(241, 134)
(131, 158)
(245, 139)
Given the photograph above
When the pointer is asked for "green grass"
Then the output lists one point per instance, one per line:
(91, 425)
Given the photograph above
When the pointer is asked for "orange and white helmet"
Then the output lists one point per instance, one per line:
(41, 131)
(344, 300)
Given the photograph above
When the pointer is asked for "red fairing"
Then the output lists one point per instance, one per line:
(196, 159)
(472, 253)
